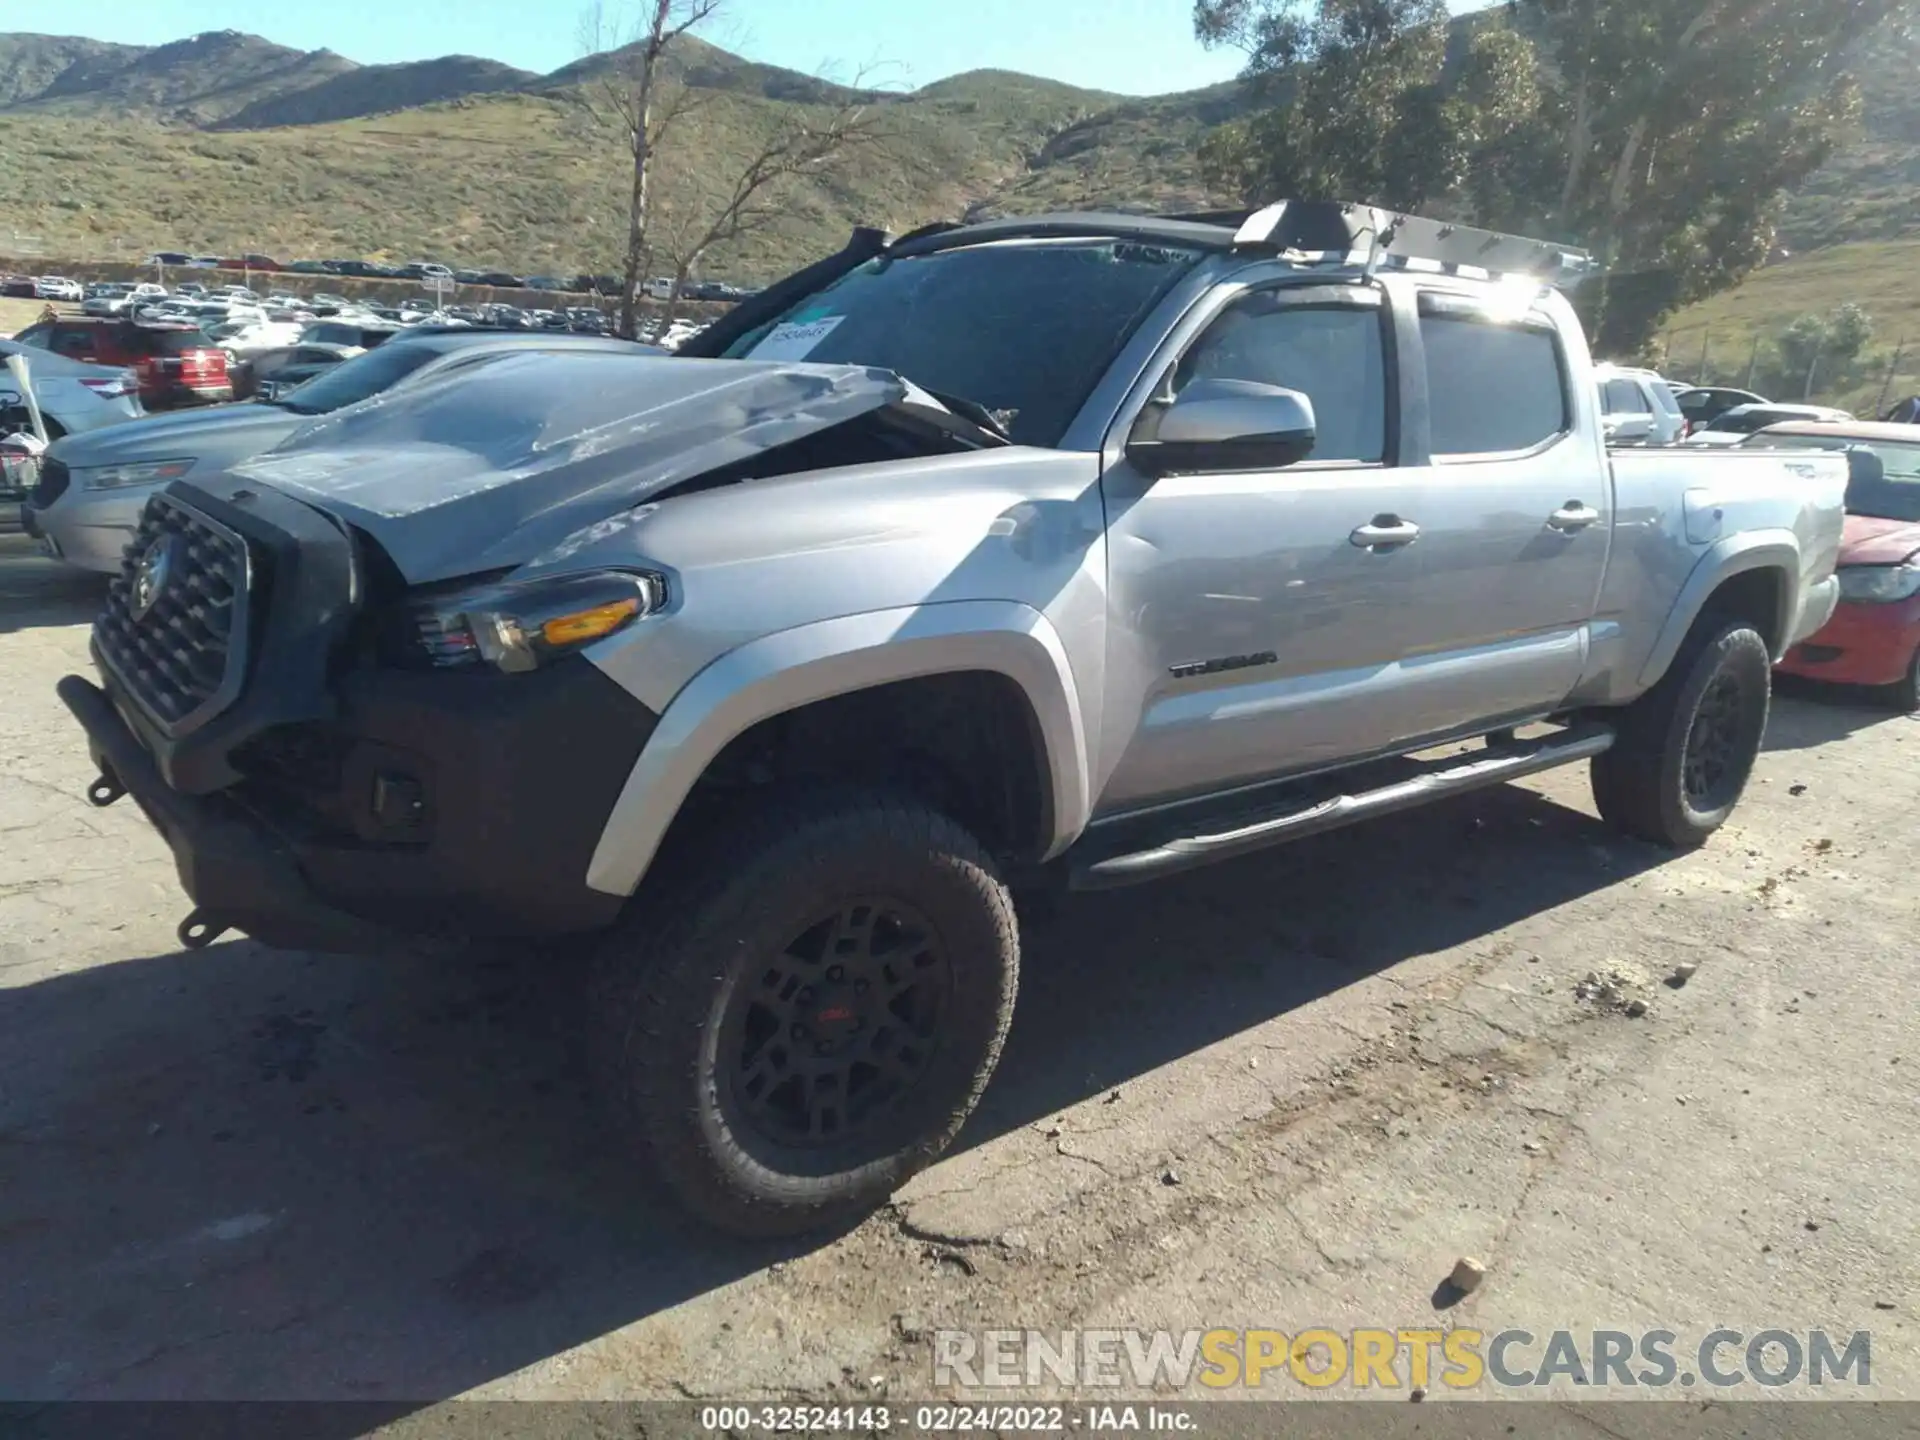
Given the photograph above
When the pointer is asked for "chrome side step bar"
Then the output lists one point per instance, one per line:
(1497, 763)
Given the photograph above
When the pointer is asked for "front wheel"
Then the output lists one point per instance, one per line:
(1686, 747)
(814, 1023)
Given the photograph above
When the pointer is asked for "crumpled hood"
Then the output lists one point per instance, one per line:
(1869, 540)
(213, 436)
(493, 466)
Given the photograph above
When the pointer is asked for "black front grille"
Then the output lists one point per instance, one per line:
(52, 484)
(174, 626)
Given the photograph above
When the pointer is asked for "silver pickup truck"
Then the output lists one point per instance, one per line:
(1074, 550)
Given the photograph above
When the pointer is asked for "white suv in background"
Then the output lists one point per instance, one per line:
(1637, 407)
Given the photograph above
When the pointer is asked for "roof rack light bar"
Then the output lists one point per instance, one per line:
(1323, 225)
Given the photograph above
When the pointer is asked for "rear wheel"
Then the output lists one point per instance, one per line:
(813, 1023)
(1687, 747)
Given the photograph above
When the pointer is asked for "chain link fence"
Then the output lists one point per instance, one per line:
(1868, 384)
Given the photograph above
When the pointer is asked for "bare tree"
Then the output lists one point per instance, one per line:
(810, 143)
(646, 105)
(631, 89)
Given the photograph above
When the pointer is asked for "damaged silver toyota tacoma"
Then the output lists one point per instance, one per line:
(1074, 550)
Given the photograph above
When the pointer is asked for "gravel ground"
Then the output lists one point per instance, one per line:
(1286, 1092)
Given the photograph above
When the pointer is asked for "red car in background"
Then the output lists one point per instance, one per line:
(1874, 635)
(176, 364)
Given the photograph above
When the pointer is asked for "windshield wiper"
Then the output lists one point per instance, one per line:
(976, 412)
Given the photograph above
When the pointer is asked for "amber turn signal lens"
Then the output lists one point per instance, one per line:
(584, 625)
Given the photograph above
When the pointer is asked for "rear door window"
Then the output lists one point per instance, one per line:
(1623, 397)
(1494, 387)
(170, 342)
(75, 341)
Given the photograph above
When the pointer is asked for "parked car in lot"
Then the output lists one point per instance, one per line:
(106, 299)
(1730, 427)
(175, 364)
(95, 489)
(1637, 407)
(1702, 403)
(502, 279)
(355, 334)
(1195, 546)
(74, 396)
(1874, 636)
(272, 372)
(17, 287)
(57, 287)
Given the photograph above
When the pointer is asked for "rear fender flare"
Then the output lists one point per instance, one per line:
(1736, 555)
(791, 668)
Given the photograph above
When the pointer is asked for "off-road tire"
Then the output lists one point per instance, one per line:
(674, 978)
(1722, 678)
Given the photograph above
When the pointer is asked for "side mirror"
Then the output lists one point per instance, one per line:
(1224, 425)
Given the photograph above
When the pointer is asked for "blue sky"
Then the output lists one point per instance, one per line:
(1133, 46)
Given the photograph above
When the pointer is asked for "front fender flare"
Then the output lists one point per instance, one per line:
(792, 668)
(1736, 555)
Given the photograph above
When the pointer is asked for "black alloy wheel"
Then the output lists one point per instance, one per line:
(837, 1027)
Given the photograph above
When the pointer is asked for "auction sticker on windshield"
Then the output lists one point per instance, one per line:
(795, 339)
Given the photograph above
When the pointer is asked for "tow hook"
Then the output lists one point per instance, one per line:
(105, 789)
(200, 930)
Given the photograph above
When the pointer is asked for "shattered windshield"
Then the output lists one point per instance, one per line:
(1022, 329)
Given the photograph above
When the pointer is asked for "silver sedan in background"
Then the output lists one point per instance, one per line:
(75, 396)
(93, 488)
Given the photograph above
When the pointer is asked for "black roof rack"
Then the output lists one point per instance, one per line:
(1328, 230)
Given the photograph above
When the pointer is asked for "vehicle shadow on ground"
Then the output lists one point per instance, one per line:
(37, 592)
(239, 1173)
(1807, 714)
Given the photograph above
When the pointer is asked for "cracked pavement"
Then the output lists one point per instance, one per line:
(1285, 1092)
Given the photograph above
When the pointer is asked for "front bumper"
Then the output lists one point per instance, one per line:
(89, 528)
(434, 804)
(99, 548)
(1860, 645)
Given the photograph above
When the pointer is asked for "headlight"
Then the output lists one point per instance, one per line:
(1880, 584)
(121, 477)
(519, 627)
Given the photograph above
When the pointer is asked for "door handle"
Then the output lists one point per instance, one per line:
(1385, 532)
(1574, 515)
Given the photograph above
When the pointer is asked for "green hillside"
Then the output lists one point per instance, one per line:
(1722, 338)
(225, 142)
